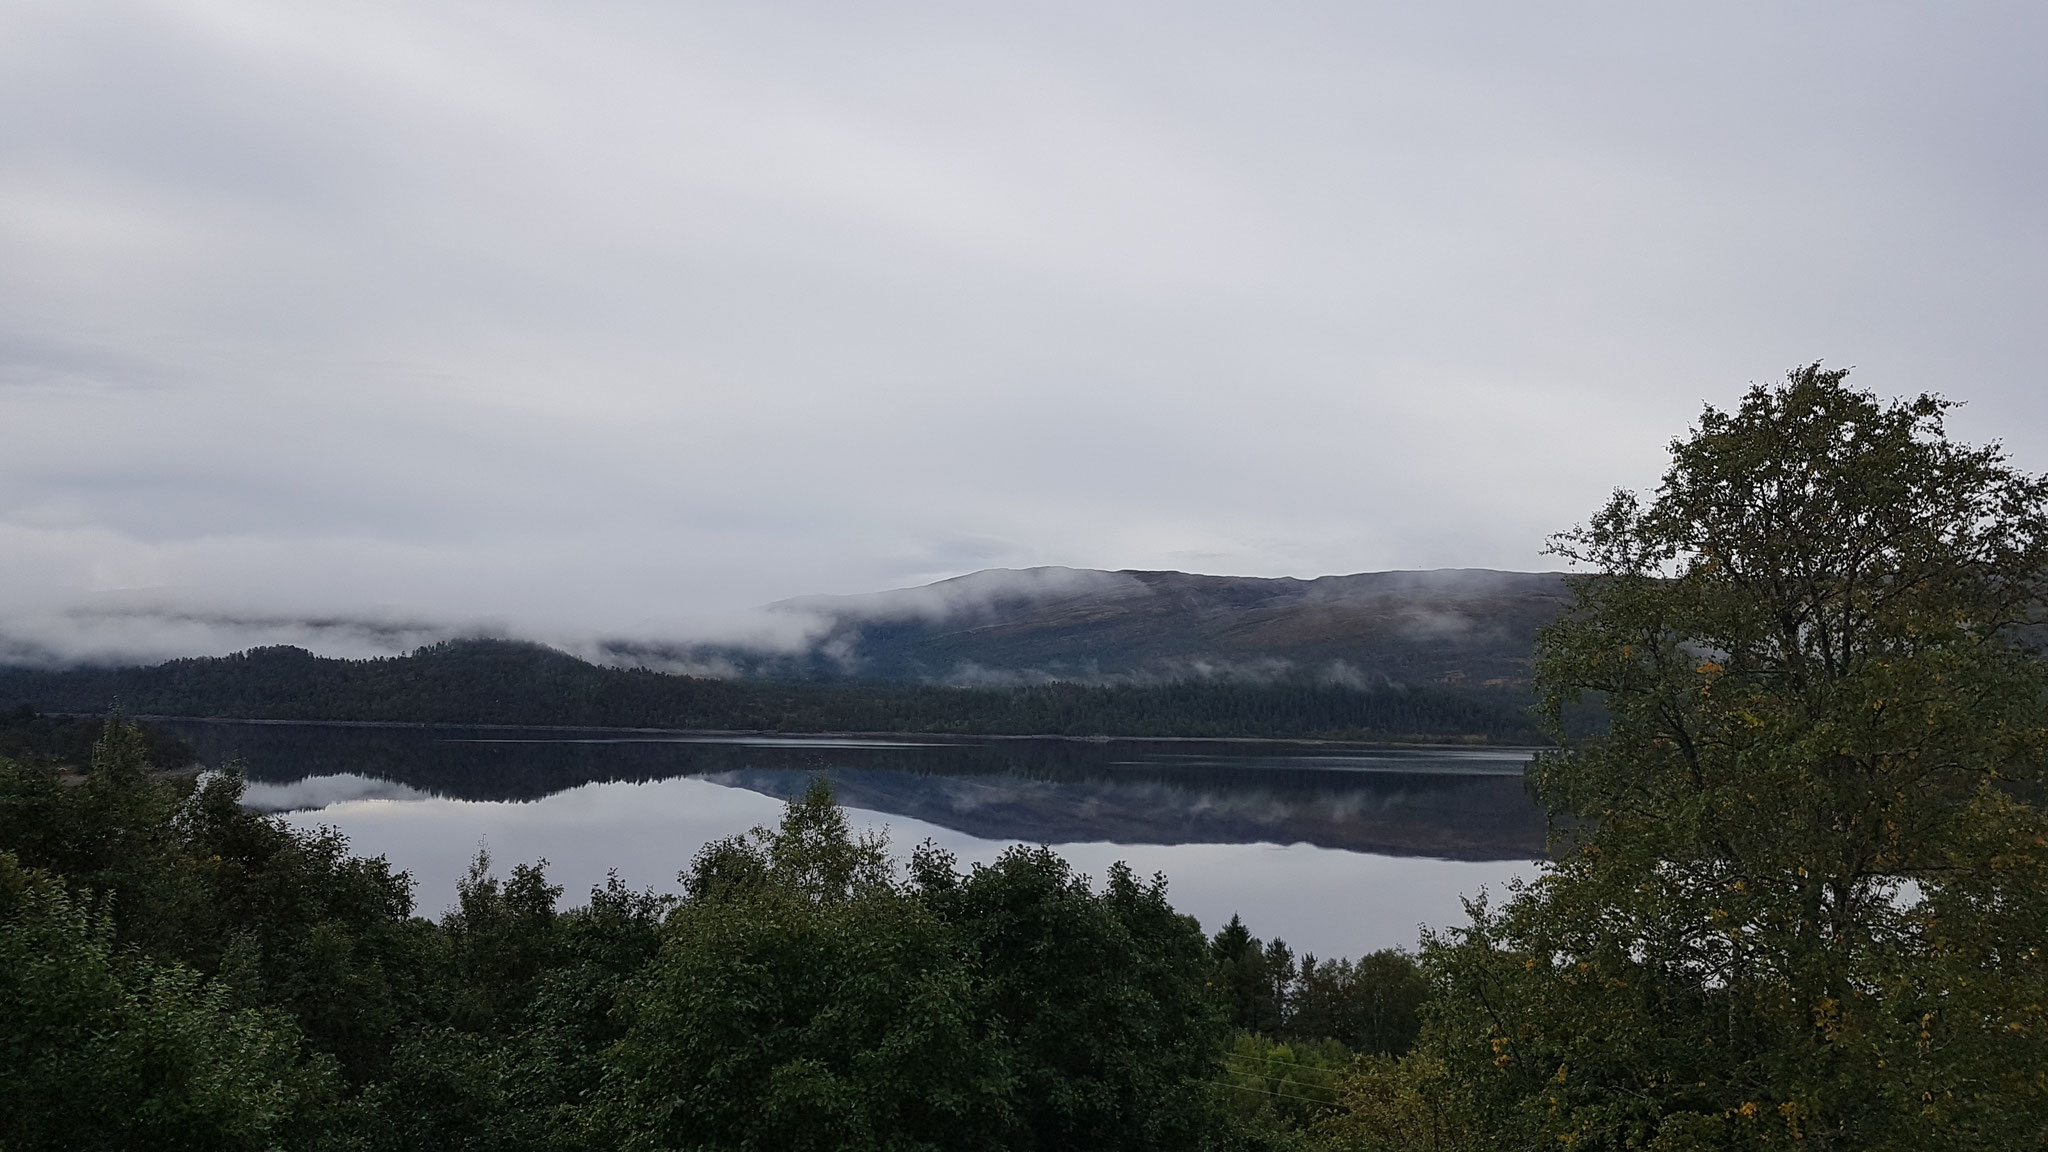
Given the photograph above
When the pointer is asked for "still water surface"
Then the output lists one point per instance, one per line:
(1338, 850)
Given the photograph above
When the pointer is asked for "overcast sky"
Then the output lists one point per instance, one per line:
(607, 318)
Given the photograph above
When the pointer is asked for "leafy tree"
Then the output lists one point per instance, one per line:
(1369, 1005)
(501, 939)
(104, 1051)
(1100, 999)
(295, 920)
(1273, 1086)
(1399, 1104)
(286, 919)
(805, 996)
(572, 1020)
(509, 1047)
(803, 1000)
(1802, 889)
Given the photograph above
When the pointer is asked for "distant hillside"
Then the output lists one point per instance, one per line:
(1468, 628)
(505, 682)
(1455, 628)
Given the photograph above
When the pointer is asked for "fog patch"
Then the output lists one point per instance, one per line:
(1424, 624)
(978, 594)
(1345, 674)
(968, 674)
(130, 635)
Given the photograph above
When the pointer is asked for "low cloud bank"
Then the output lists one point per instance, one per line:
(152, 635)
(104, 635)
(977, 594)
(995, 628)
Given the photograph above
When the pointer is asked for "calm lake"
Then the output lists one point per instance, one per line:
(1338, 850)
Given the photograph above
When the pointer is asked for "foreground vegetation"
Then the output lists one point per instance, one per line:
(176, 972)
(1800, 899)
(1806, 902)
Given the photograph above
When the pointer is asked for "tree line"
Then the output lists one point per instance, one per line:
(508, 682)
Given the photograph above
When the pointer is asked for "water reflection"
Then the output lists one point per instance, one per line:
(1338, 849)
(315, 792)
(1450, 803)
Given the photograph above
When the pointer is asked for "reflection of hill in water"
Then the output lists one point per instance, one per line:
(1451, 803)
(1468, 817)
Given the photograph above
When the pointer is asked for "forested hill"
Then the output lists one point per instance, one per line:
(1455, 627)
(503, 682)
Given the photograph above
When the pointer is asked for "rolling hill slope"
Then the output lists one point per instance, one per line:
(1467, 628)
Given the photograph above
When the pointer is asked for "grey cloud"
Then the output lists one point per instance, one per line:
(619, 321)
(971, 674)
(972, 595)
(150, 635)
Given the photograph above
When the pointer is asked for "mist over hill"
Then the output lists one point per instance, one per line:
(519, 683)
(1454, 628)
(1384, 655)
(1451, 628)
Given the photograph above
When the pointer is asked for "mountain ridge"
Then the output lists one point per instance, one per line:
(1454, 627)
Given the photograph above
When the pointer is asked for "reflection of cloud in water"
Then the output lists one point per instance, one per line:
(321, 791)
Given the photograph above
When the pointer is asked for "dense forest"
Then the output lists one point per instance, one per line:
(504, 682)
(177, 972)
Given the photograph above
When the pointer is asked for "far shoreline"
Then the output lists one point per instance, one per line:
(1473, 745)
